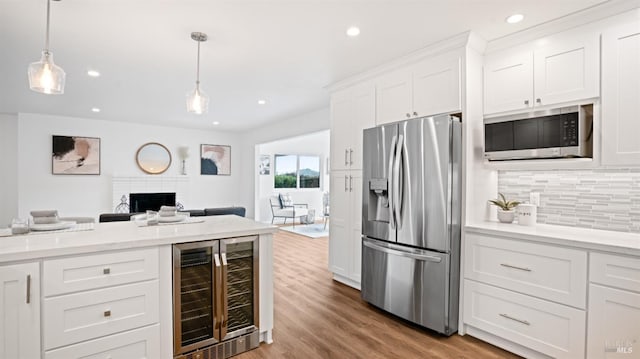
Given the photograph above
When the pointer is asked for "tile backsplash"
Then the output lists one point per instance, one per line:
(606, 199)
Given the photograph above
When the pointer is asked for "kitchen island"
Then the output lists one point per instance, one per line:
(110, 289)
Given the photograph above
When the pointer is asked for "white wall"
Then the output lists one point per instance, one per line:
(84, 195)
(301, 125)
(8, 168)
(316, 144)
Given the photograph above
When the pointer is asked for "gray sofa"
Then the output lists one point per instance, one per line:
(120, 217)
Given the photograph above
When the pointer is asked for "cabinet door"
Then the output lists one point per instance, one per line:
(364, 117)
(339, 244)
(508, 81)
(20, 311)
(436, 85)
(355, 188)
(614, 323)
(342, 113)
(621, 95)
(567, 68)
(393, 100)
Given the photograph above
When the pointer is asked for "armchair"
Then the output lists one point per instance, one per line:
(293, 211)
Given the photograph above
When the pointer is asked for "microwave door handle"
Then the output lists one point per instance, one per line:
(397, 181)
(392, 153)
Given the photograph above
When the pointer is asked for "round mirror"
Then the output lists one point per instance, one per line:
(153, 158)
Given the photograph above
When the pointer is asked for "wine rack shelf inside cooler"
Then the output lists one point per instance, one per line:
(240, 286)
(196, 297)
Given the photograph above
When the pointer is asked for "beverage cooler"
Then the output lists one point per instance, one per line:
(215, 298)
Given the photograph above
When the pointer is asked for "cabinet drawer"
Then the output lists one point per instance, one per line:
(139, 343)
(76, 317)
(97, 271)
(548, 272)
(552, 329)
(615, 271)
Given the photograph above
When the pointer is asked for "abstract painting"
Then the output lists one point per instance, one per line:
(75, 155)
(215, 160)
(265, 165)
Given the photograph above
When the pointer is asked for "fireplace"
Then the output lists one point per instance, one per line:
(141, 202)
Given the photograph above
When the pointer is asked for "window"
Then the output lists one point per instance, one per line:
(293, 171)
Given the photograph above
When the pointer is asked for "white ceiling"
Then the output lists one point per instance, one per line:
(283, 51)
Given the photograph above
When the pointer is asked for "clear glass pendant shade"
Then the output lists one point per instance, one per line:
(197, 101)
(45, 77)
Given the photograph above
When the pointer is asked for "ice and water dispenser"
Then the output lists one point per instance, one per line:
(378, 204)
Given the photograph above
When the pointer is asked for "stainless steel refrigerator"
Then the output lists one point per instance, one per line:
(411, 220)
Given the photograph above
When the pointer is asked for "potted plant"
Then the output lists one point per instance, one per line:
(505, 208)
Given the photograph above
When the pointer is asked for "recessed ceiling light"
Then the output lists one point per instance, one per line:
(95, 109)
(262, 102)
(93, 73)
(353, 31)
(515, 18)
(216, 123)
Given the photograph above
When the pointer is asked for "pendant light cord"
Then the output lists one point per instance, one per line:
(46, 43)
(198, 69)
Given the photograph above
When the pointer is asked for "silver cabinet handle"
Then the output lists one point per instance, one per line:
(538, 100)
(526, 102)
(350, 183)
(415, 113)
(515, 319)
(420, 257)
(346, 185)
(106, 271)
(351, 156)
(28, 288)
(516, 267)
(346, 154)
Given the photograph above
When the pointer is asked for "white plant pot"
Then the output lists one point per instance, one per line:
(506, 216)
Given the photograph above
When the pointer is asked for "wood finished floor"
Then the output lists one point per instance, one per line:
(316, 317)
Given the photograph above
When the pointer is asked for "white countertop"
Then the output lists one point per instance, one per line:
(124, 235)
(585, 238)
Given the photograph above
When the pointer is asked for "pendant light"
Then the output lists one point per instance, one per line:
(44, 76)
(198, 101)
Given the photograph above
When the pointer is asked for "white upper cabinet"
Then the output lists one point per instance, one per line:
(394, 97)
(553, 70)
(567, 68)
(436, 85)
(508, 81)
(429, 87)
(352, 111)
(621, 95)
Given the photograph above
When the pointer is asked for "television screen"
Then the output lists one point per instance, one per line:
(142, 202)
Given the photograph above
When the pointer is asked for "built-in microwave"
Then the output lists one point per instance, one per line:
(556, 133)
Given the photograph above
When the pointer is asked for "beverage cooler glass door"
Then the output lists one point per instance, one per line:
(239, 286)
(196, 272)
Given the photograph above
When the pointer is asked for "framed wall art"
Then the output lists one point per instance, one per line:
(215, 160)
(74, 155)
(264, 168)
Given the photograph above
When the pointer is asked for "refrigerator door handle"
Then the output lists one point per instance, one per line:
(224, 316)
(392, 154)
(397, 183)
(420, 257)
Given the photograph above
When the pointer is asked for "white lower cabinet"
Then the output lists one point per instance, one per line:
(532, 296)
(102, 306)
(549, 328)
(20, 311)
(143, 343)
(614, 313)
